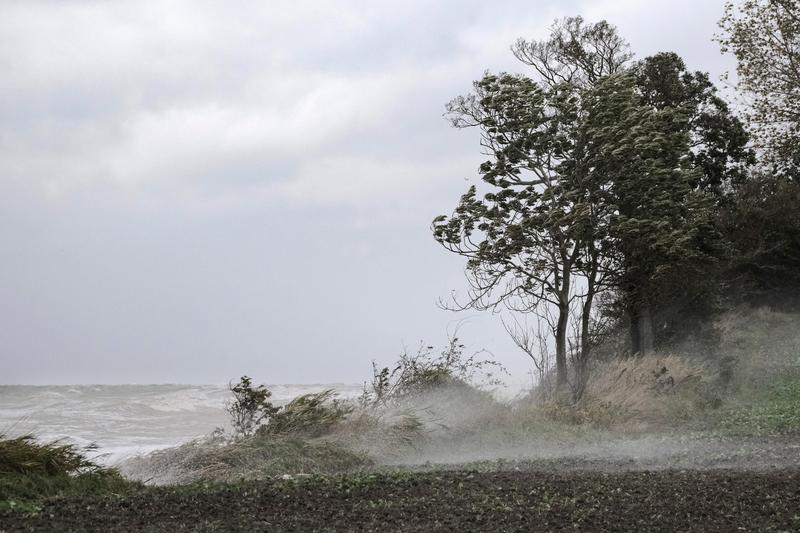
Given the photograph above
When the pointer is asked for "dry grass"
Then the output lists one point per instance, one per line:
(636, 393)
(219, 459)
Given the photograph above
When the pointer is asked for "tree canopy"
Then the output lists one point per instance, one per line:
(764, 35)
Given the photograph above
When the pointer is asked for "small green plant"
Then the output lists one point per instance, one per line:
(250, 407)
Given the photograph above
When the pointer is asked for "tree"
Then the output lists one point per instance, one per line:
(533, 242)
(576, 53)
(600, 174)
(761, 220)
(761, 215)
(717, 158)
(250, 407)
(764, 35)
(526, 239)
(718, 141)
(583, 55)
(659, 222)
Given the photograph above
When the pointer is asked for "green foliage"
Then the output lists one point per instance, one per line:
(426, 371)
(250, 406)
(310, 415)
(761, 219)
(24, 455)
(764, 35)
(718, 139)
(601, 175)
(32, 472)
(27, 493)
(777, 412)
(661, 227)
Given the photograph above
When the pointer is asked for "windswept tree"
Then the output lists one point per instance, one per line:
(527, 239)
(764, 35)
(761, 214)
(601, 174)
(715, 158)
(659, 222)
(536, 239)
(718, 141)
(576, 53)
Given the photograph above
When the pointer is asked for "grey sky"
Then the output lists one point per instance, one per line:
(190, 191)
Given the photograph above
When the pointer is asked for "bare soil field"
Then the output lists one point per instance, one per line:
(524, 499)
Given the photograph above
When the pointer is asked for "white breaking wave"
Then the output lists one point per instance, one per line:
(127, 420)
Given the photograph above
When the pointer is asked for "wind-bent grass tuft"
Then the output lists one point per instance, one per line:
(32, 472)
(23, 455)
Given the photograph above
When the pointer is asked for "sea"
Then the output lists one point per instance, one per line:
(123, 421)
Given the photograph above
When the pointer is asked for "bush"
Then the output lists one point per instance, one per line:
(778, 412)
(250, 407)
(310, 415)
(425, 371)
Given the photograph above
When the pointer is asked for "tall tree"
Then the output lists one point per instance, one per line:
(718, 157)
(526, 239)
(764, 35)
(576, 53)
(761, 214)
(659, 222)
(533, 241)
(718, 141)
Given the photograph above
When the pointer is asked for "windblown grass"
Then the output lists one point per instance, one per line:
(23, 455)
(309, 415)
(32, 472)
(218, 458)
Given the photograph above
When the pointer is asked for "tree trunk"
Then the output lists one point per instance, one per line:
(582, 368)
(642, 336)
(561, 348)
(646, 335)
(636, 341)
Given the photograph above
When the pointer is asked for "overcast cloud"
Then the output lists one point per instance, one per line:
(190, 191)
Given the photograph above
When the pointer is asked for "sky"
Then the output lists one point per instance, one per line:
(191, 191)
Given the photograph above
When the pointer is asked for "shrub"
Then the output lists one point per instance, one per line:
(310, 415)
(250, 406)
(426, 370)
(778, 412)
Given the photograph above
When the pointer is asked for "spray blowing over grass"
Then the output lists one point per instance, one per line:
(733, 406)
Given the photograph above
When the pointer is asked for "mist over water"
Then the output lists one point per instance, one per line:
(126, 420)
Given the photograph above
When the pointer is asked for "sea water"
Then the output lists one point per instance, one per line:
(127, 420)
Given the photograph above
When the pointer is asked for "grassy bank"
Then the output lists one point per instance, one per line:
(423, 437)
